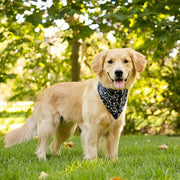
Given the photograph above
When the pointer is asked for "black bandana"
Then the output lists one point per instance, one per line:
(114, 100)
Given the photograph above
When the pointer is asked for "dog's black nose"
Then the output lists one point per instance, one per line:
(118, 73)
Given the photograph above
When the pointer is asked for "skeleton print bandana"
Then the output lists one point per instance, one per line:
(114, 100)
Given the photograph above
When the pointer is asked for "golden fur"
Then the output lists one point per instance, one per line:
(62, 106)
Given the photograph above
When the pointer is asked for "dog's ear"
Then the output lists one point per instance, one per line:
(98, 62)
(139, 60)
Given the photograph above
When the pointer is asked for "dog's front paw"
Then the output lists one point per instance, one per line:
(40, 155)
(90, 157)
(55, 149)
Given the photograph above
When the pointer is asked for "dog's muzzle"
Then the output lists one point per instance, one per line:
(118, 82)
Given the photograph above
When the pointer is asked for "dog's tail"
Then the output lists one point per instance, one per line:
(22, 134)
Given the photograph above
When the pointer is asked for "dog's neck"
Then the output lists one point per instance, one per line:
(114, 100)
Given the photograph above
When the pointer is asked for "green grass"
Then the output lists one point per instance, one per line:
(13, 114)
(139, 158)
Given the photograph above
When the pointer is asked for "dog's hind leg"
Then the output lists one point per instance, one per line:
(46, 129)
(64, 131)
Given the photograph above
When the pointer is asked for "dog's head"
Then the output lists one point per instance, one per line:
(117, 68)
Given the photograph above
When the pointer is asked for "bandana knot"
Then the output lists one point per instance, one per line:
(114, 100)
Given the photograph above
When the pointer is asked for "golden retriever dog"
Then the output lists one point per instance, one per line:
(97, 105)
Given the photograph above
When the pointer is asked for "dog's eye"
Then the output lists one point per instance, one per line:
(110, 61)
(126, 61)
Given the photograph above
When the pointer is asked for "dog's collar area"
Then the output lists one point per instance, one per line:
(114, 100)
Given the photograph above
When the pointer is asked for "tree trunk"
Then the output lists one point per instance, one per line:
(75, 65)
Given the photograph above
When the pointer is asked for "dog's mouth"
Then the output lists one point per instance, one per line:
(118, 82)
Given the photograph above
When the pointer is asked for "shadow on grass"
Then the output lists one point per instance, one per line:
(5, 114)
(1, 134)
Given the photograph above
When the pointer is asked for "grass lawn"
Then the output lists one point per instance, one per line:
(139, 158)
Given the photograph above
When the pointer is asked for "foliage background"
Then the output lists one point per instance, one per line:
(46, 42)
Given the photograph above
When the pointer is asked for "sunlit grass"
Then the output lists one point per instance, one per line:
(139, 158)
(13, 114)
(14, 106)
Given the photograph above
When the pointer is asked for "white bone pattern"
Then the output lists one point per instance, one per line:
(114, 100)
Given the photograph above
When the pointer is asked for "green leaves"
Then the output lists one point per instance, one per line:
(4, 77)
(151, 27)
